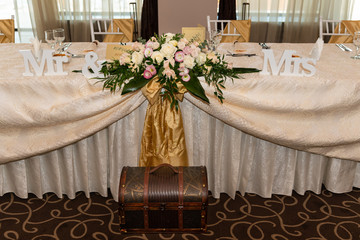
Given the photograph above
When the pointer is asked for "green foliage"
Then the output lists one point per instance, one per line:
(128, 75)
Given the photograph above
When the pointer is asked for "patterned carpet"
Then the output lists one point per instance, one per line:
(313, 217)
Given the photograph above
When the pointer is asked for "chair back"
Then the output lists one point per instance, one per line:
(220, 25)
(7, 30)
(230, 30)
(103, 27)
(332, 28)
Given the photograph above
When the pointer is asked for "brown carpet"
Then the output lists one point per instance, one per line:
(325, 216)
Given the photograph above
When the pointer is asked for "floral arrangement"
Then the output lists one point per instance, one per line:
(171, 60)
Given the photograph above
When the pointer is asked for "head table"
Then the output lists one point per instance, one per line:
(272, 134)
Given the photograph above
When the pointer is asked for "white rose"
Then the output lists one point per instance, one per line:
(155, 45)
(195, 50)
(169, 36)
(168, 50)
(124, 59)
(157, 57)
(137, 58)
(173, 42)
(189, 61)
(138, 46)
(181, 45)
(213, 57)
(201, 58)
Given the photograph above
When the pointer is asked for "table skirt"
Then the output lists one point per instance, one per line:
(235, 161)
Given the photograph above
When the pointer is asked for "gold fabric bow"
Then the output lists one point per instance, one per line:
(163, 139)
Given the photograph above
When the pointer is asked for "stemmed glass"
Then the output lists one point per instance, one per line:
(59, 36)
(215, 39)
(49, 38)
(356, 41)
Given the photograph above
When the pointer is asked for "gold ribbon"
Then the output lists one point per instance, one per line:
(163, 139)
(8, 29)
(242, 26)
(125, 26)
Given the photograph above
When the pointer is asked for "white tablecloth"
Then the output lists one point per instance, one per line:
(70, 161)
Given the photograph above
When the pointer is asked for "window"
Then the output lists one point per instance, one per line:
(21, 9)
(118, 9)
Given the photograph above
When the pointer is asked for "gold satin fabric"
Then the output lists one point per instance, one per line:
(125, 26)
(7, 28)
(163, 139)
(351, 26)
(242, 26)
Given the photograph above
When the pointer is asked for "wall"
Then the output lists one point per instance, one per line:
(175, 14)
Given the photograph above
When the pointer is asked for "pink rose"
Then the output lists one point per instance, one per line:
(194, 50)
(187, 50)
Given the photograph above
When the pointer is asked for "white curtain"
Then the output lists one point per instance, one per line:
(72, 15)
(22, 21)
(293, 21)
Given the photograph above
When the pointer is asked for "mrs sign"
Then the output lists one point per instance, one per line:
(294, 65)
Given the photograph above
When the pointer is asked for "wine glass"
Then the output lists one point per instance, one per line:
(215, 39)
(49, 38)
(59, 36)
(356, 41)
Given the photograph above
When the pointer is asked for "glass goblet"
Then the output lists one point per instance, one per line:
(356, 41)
(59, 36)
(215, 39)
(49, 38)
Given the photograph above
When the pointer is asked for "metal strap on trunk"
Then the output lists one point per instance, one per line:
(146, 198)
(181, 198)
(204, 198)
(121, 196)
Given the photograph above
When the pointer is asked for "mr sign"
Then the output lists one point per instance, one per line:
(90, 70)
(294, 66)
(46, 57)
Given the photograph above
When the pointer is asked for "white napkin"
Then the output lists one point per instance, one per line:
(37, 47)
(317, 49)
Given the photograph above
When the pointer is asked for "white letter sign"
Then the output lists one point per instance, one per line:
(47, 56)
(292, 64)
(92, 63)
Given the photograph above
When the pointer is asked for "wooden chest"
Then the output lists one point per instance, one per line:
(163, 199)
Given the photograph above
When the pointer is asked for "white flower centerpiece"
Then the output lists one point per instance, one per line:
(173, 61)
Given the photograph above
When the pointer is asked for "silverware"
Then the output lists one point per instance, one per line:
(76, 55)
(346, 48)
(232, 54)
(264, 46)
(343, 47)
(65, 46)
(241, 54)
(339, 46)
